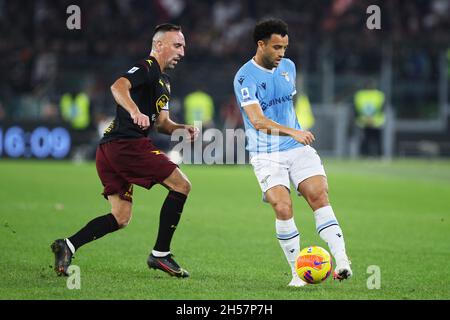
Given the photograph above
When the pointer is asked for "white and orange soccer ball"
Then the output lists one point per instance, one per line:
(313, 264)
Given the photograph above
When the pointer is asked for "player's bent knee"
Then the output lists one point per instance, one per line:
(184, 187)
(283, 210)
(318, 199)
(122, 215)
(123, 221)
(178, 182)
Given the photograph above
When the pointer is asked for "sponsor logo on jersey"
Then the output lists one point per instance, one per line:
(275, 101)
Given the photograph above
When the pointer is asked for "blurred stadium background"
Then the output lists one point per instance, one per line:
(53, 76)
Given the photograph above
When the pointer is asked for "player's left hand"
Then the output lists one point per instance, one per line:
(192, 132)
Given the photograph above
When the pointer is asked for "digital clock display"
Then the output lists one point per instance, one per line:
(40, 142)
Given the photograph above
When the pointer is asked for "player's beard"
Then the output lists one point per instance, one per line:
(269, 62)
(276, 63)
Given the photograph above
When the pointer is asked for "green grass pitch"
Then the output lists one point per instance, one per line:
(394, 215)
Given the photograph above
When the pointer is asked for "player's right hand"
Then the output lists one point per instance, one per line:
(304, 137)
(141, 120)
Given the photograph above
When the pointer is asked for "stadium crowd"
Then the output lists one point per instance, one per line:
(42, 59)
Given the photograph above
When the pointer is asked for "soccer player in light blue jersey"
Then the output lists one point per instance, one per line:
(280, 150)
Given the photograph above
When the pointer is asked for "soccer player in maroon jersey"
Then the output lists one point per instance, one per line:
(126, 156)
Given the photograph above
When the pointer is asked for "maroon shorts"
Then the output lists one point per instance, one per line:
(124, 162)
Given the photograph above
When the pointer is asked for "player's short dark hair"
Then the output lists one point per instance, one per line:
(264, 29)
(165, 27)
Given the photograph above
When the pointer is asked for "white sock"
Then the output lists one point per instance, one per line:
(289, 239)
(329, 230)
(70, 245)
(159, 253)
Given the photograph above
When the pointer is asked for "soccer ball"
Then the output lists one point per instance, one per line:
(313, 264)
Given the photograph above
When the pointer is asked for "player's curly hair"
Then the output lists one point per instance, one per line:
(264, 29)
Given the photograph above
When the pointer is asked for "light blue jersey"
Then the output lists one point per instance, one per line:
(274, 91)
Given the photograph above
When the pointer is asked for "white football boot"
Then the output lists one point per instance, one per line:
(342, 270)
(296, 281)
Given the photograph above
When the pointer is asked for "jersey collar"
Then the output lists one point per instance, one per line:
(262, 68)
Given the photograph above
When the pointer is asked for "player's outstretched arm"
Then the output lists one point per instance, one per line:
(262, 123)
(165, 125)
(121, 93)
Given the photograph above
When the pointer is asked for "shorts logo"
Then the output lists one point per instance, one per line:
(161, 102)
(264, 181)
(156, 152)
(129, 193)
